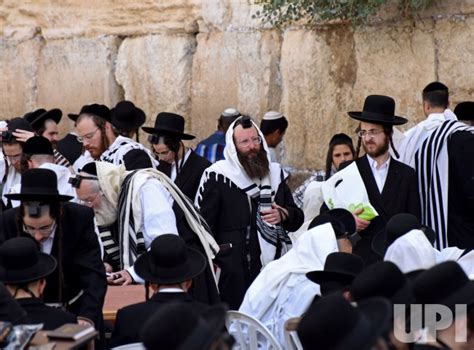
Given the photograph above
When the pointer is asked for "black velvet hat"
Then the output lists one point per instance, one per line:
(382, 279)
(340, 267)
(38, 145)
(332, 323)
(137, 159)
(38, 117)
(397, 226)
(19, 123)
(169, 124)
(465, 110)
(39, 185)
(126, 116)
(101, 111)
(22, 262)
(378, 109)
(180, 326)
(169, 261)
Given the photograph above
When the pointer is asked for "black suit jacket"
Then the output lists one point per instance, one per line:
(38, 312)
(130, 319)
(76, 247)
(399, 195)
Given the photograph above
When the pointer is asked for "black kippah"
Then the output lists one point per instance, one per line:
(90, 168)
(38, 145)
(435, 86)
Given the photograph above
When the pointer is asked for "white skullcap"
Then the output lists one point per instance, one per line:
(230, 112)
(272, 115)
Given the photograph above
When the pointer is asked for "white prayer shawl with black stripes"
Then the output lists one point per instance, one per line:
(270, 237)
(123, 188)
(432, 167)
(120, 147)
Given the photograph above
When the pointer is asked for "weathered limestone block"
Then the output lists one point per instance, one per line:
(395, 61)
(318, 70)
(76, 72)
(228, 15)
(18, 67)
(454, 40)
(233, 69)
(155, 73)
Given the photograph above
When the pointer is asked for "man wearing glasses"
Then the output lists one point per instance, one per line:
(249, 208)
(391, 185)
(65, 231)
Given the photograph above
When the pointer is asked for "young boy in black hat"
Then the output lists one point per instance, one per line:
(65, 231)
(391, 186)
(23, 269)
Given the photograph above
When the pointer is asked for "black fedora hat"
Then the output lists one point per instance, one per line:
(38, 145)
(339, 267)
(169, 261)
(378, 109)
(446, 284)
(332, 323)
(342, 221)
(126, 116)
(19, 123)
(169, 124)
(382, 279)
(38, 117)
(22, 262)
(465, 110)
(39, 185)
(180, 326)
(397, 226)
(99, 110)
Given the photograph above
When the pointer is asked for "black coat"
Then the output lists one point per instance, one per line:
(226, 209)
(130, 319)
(399, 195)
(50, 317)
(81, 262)
(10, 310)
(461, 190)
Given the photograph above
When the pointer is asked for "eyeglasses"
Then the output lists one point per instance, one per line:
(14, 158)
(163, 154)
(86, 136)
(254, 140)
(91, 202)
(43, 231)
(369, 133)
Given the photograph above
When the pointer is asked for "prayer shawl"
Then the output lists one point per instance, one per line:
(119, 148)
(123, 188)
(432, 167)
(270, 237)
(281, 290)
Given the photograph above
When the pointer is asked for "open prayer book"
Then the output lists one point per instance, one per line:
(71, 331)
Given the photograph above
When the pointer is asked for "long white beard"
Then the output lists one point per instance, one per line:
(105, 213)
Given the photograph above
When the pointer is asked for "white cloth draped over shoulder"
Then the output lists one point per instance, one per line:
(281, 290)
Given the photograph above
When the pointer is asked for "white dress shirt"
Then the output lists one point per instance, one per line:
(379, 172)
(47, 245)
(180, 164)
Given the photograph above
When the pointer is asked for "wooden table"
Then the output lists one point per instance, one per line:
(120, 296)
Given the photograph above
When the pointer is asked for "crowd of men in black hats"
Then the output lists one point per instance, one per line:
(347, 255)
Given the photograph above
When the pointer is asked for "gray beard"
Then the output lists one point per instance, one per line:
(106, 213)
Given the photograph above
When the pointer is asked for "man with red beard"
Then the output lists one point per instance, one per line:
(249, 208)
(391, 185)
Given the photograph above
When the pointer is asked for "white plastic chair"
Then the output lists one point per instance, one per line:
(132, 346)
(291, 337)
(249, 333)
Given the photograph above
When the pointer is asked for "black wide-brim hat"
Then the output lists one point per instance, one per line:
(126, 116)
(378, 109)
(39, 185)
(338, 267)
(37, 121)
(465, 110)
(169, 261)
(169, 124)
(99, 110)
(22, 262)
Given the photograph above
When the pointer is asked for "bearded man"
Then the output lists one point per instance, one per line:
(391, 185)
(249, 208)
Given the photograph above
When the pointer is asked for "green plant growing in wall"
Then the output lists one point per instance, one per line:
(281, 13)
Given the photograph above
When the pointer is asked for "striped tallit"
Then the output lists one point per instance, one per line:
(432, 167)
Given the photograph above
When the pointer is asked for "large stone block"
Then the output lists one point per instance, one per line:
(395, 61)
(454, 40)
(18, 67)
(156, 71)
(318, 71)
(76, 72)
(232, 69)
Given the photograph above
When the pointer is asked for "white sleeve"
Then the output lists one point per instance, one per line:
(157, 211)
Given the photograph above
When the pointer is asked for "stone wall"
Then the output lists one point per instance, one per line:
(197, 57)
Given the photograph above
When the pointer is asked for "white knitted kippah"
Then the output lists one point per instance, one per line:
(272, 115)
(230, 112)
